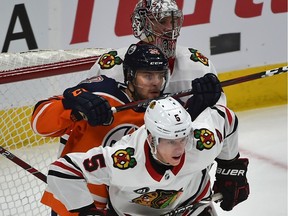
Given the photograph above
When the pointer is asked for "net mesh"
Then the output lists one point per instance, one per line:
(20, 191)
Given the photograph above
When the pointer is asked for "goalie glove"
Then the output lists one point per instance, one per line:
(206, 92)
(88, 106)
(231, 182)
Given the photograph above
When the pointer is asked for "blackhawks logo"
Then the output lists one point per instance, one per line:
(108, 60)
(158, 199)
(206, 139)
(197, 56)
(122, 158)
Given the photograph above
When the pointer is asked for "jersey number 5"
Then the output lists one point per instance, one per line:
(94, 163)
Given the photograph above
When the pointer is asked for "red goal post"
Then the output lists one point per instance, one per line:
(26, 78)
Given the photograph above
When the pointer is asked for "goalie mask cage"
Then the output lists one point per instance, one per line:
(25, 79)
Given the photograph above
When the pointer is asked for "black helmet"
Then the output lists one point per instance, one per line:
(146, 57)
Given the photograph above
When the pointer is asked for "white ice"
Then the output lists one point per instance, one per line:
(263, 139)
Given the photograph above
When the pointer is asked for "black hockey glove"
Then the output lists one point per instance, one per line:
(207, 88)
(86, 105)
(90, 210)
(206, 92)
(231, 182)
(93, 212)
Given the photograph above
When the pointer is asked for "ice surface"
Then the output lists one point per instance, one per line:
(263, 139)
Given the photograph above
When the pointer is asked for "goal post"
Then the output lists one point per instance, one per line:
(25, 79)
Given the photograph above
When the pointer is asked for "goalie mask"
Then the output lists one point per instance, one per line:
(166, 118)
(144, 57)
(158, 22)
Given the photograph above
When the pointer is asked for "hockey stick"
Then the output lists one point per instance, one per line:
(143, 103)
(192, 207)
(238, 80)
(22, 164)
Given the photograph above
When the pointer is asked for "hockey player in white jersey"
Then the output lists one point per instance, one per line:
(159, 22)
(160, 167)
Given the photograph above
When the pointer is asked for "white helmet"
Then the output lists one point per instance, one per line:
(147, 24)
(166, 118)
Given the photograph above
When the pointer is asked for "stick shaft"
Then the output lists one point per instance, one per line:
(234, 81)
(225, 83)
(22, 164)
(255, 76)
(192, 207)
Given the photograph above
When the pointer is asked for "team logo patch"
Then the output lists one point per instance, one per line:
(92, 79)
(117, 133)
(96, 79)
(197, 56)
(154, 51)
(206, 138)
(158, 199)
(109, 60)
(122, 158)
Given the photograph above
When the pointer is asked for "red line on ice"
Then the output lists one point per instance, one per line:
(264, 158)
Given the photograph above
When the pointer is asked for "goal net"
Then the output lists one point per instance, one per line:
(25, 79)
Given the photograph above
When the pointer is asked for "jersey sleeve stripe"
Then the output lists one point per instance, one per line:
(65, 167)
(62, 175)
(68, 160)
(220, 112)
(228, 114)
(235, 126)
(231, 119)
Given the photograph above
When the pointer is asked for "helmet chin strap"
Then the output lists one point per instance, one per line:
(134, 93)
(134, 96)
(154, 152)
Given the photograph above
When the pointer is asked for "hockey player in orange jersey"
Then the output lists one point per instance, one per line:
(84, 111)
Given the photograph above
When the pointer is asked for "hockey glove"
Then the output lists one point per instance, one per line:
(231, 182)
(93, 212)
(206, 92)
(208, 88)
(88, 106)
(90, 210)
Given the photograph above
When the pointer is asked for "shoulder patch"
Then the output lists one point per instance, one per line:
(206, 138)
(93, 79)
(122, 158)
(109, 60)
(197, 56)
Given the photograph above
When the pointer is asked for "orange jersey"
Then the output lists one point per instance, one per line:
(50, 119)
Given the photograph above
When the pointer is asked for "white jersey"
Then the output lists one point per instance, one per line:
(137, 184)
(189, 64)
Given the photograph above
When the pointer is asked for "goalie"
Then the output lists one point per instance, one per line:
(159, 22)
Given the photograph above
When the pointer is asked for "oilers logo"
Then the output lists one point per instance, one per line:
(117, 133)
